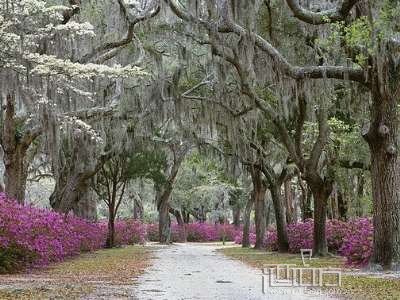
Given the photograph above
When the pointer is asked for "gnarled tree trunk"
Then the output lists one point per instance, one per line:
(16, 142)
(164, 192)
(274, 185)
(86, 207)
(67, 192)
(382, 138)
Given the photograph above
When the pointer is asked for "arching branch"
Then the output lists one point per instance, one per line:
(111, 48)
(226, 25)
(326, 16)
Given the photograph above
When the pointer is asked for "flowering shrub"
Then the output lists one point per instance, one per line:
(336, 231)
(129, 232)
(201, 232)
(152, 232)
(196, 232)
(357, 244)
(271, 240)
(36, 237)
(44, 236)
(239, 237)
(351, 239)
(177, 233)
(300, 235)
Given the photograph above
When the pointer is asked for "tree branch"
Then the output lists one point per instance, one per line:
(226, 25)
(326, 16)
(111, 47)
(347, 164)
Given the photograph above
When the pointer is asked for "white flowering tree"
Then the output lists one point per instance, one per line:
(46, 83)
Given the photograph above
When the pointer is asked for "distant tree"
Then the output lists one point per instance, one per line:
(110, 183)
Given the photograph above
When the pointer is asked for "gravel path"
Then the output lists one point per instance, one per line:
(197, 271)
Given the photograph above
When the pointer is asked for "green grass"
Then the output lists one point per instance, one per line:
(260, 258)
(78, 276)
(353, 287)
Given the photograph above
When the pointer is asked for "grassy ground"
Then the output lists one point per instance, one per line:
(99, 275)
(353, 286)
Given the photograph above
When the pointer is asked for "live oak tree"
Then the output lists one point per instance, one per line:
(221, 71)
(369, 43)
(241, 58)
(177, 153)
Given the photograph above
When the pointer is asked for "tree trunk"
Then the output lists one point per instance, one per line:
(164, 222)
(259, 190)
(268, 214)
(289, 207)
(15, 173)
(360, 195)
(305, 201)
(275, 182)
(67, 192)
(236, 216)
(86, 206)
(137, 208)
(321, 191)
(16, 142)
(163, 194)
(186, 216)
(179, 219)
(283, 244)
(382, 138)
(246, 222)
(342, 205)
(178, 215)
(111, 230)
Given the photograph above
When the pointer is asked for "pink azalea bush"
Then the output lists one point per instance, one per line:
(271, 240)
(45, 236)
(357, 244)
(31, 236)
(196, 232)
(129, 232)
(177, 233)
(336, 232)
(300, 235)
(351, 239)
